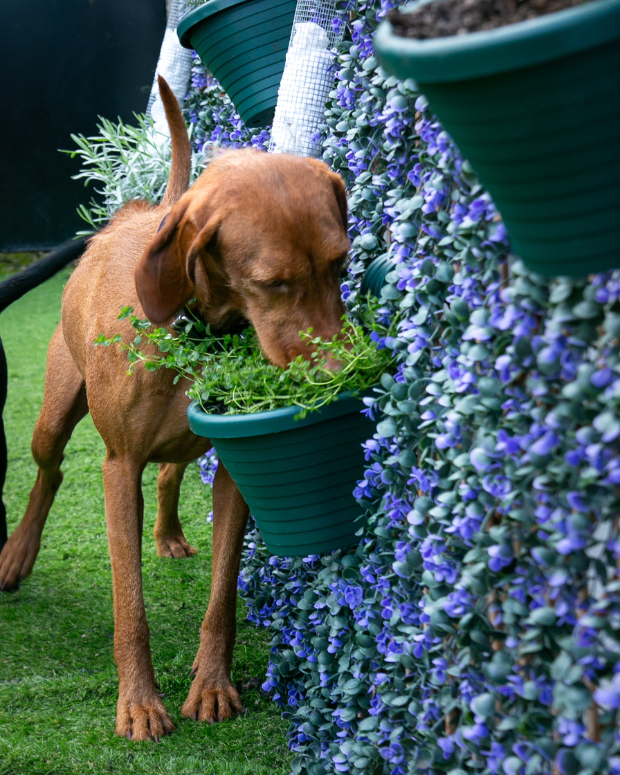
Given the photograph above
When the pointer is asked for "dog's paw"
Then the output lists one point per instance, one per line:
(174, 546)
(210, 701)
(17, 559)
(146, 720)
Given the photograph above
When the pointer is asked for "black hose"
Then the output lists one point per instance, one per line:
(16, 286)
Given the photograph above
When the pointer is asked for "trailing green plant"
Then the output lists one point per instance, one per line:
(127, 163)
(229, 374)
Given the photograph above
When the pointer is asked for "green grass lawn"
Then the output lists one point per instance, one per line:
(58, 681)
(13, 262)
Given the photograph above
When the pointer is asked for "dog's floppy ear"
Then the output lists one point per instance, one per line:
(339, 191)
(165, 274)
(341, 198)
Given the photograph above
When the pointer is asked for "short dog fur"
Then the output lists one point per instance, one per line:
(258, 237)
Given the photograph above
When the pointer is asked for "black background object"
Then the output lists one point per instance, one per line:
(63, 63)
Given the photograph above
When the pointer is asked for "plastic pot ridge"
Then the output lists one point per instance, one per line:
(296, 475)
(244, 45)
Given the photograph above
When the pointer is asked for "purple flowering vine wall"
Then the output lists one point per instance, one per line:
(476, 627)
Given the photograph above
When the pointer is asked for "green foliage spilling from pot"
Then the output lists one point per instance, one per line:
(229, 374)
(290, 438)
(535, 108)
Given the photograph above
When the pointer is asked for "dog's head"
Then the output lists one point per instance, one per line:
(258, 236)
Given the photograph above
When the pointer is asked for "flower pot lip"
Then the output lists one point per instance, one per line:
(485, 53)
(236, 426)
(185, 26)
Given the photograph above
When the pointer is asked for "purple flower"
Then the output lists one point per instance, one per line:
(576, 502)
(574, 457)
(447, 746)
(570, 543)
(354, 596)
(608, 695)
(501, 556)
(602, 377)
(475, 733)
(545, 445)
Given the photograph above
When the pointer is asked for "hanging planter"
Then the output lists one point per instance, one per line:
(535, 108)
(296, 475)
(375, 276)
(244, 45)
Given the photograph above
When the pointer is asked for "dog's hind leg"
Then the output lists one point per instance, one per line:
(64, 405)
(212, 696)
(169, 536)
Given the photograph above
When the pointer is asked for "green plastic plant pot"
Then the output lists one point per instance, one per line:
(296, 475)
(373, 279)
(244, 45)
(535, 108)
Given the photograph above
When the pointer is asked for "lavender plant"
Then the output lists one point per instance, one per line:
(133, 162)
(126, 162)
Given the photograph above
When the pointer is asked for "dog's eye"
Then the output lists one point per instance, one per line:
(275, 286)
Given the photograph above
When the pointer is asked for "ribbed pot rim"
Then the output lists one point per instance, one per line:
(373, 278)
(210, 8)
(236, 426)
(488, 52)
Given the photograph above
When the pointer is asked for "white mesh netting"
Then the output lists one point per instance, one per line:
(175, 64)
(308, 78)
(306, 82)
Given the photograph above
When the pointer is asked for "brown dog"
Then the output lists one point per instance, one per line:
(257, 237)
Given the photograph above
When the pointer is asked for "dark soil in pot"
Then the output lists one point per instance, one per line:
(458, 17)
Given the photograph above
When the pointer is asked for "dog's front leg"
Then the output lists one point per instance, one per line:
(140, 713)
(212, 696)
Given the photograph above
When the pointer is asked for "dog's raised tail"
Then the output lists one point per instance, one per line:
(178, 182)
